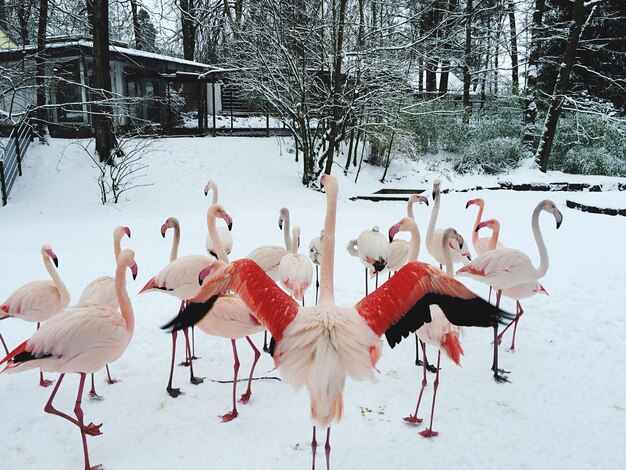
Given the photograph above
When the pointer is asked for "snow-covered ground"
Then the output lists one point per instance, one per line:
(564, 408)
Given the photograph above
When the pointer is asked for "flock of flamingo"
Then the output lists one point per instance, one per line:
(315, 347)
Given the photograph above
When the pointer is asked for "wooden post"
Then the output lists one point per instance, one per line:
(231, 109)
(213, 106)
(18, 155)
(3, 184)
(267, 123)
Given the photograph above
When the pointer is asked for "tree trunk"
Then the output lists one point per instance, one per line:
(514, 62)
(467, 105)
(23, 14)
(40, 66)
(561, 87)
(530, 100)
(136, 28)
(189, 28)
(102, 80)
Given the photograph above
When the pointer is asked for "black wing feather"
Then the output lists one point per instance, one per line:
(190, 315)
(461, 312)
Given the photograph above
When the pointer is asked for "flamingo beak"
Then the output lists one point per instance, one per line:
(127, 231)
(206, 190)
(163, 230)
(423, 199)
(393, 231)
(53, 257)
(280, 222)
(203, 274)
(558, 217)
(227, 219)
(470, 202)
(322, 179)
(133, 270)
(543, 290)
(480, 225)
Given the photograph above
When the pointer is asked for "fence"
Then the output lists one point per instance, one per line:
(13, 155)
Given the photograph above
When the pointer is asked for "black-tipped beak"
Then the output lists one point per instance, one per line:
(558, 224)
(230, 226)
(280, 223)
(206, 192)
(477, 227)
(426, 201)
(467, 205)
(133, 270)
(434, 194)
(55, 260)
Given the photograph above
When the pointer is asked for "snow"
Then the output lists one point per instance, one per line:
(564, 408)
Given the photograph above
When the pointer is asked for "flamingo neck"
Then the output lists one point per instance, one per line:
(287, 232)
(447, 256)
(217, 240)
(294, 242)
(56, 280)
(433, 217)
(122, 298)
(414, 243)
(215, 194)
(117, 243)
(479, 216)
(409, 209)
(544, 262)
(493, 241)
(175, 242)
(327, 287)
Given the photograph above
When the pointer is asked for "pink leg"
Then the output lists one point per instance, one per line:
(92, 393)
(429, 431)
(313, 447)
(43, 382)
(109, 379)
(194, 380)
(413, 419)
(496, 371)
(91, 429)
(246, 396)
(520, 312)
(233, 414)
(6, 350)
(173, 392)
(327, 448)
(78, 411)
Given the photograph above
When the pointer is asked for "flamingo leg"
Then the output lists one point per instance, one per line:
(327, 448)
(517, 315)
(265, 347)
(303, 300)
(490, 289)
(413, 419)
(78, 411)
(193, 379)
(428, 432)
(43, 382)
(92, 393)
(6, 350)
(246, 396)
(187, 361)
(173, 392)
(109, 379)
(496, 372)
(91, 429)
(376, 279)
(418, 362)
(193, 343)
(317, 283)
(233, 414)
(313, 447)
(520, 312)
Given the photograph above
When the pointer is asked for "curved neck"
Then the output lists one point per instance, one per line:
(414, 243)
(215, 194)
(409, 209)
(479, 216)
(447, 256)
(493, 241)
(433, 217)
(122, 298)
(294, 241)
(117, 243)
(287, 232)
(175, 242)
(544, 262)
(56, 279)
(327, 287)
(217, 240)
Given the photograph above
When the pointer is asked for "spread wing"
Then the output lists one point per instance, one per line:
(402, 304)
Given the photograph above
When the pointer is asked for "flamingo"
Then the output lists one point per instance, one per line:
(372, 248)
(400, 250)
(318, 347)
(482, 245)
(101, 291)
(224, 233)
(507, 268)
(179, 279)
(269, 256)
(230, 318)
(460, 254)
(441, 334)
(81, 340)
(296, 270)
(315, 253)
(37, 301)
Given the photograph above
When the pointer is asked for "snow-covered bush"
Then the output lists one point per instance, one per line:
(436, 126)
(592, 161)
(489, 156)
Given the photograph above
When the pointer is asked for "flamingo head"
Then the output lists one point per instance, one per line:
(127, 259)
(216, 210)
(127, 231)
(549, 206)
(413, 198)
(283, 214)
(46, 250)
(214, 278)
(393, 230)
(404, 225)
(436, 188)
(491, 223)
(209, 186)
(171, 222)
(478, 201)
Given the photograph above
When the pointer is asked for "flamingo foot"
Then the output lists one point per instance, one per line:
(413, 419)
(418, 362)
(500, 378)
(194, 358)
(245, 398)
(185, 364)
(113, 381)
(96, 467)
(93, 429)
(431, 368)
(45, 382)
(511, 349)
(196, 380)
(95, 396)
(229, 416)
(428, 433)
(174, 392)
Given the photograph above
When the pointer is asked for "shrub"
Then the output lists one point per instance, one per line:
(592, 161)
(489, 156)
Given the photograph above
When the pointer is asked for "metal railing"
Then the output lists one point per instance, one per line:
(12, 156)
